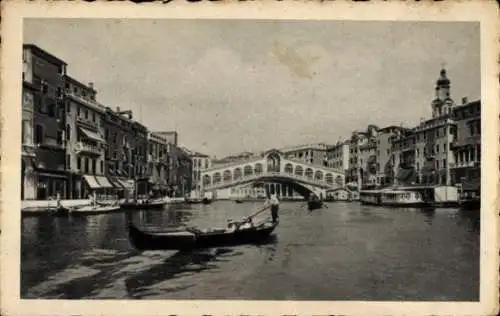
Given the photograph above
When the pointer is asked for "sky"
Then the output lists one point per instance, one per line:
(228, 86)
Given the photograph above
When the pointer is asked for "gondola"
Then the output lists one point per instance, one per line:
(144, 204)
(191, 238)
(206, 201)
(238, 201)
(314, 204)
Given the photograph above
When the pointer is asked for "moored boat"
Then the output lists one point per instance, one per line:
(192, 238)
(206, 200)
(144, 204)
(371, 197)
(402, 198)
(95, 209)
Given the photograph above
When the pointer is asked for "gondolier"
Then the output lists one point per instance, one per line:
(273, 202)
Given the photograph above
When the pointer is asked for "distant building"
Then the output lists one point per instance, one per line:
(158, 163)
(384, 158)
(126, 153)
(315, 154)
(337, 156)
(199, 162)
(43, 147)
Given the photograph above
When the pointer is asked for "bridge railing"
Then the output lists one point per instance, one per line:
(302, 178)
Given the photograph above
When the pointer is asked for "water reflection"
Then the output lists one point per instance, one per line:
(429, 213)
(180, 262)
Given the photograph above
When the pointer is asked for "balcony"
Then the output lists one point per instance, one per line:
(94, 126)
(28, 150)
(466, 164)
(89, 103)
(84, 148)
(469, 140)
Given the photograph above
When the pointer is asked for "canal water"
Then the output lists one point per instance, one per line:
(347, 251)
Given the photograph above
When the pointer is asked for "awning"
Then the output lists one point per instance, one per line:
(103, 181)
(127, 184)
(117, 184)
(91, 181)
(92, 135)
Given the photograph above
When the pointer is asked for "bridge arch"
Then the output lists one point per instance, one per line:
(237, 174)
(217, 178)
(318, 175)
(227, 176)
(247, 171)
(299, 171)
(289, 168)
(258, 168)
(273, 160)
(309, 173)
(329, 178)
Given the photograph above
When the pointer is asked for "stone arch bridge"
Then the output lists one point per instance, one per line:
(273, 167)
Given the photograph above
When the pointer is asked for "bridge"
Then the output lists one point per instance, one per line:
(273, 167)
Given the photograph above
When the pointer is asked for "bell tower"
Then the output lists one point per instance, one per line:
(443, 103)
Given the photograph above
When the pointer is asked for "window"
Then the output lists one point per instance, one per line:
(444, 163)
(444, 146)
(86, 165)
(78, 111)
(79, 163)
(94, 163)
(437, 164)
(418, 166)
(68, 131)
(437, 148)
(59, 137)
(39, 134)
(86, 114)
(68, 162)
(102, 166)
(93, 116)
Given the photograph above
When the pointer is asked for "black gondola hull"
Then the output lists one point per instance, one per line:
(314, 205)
(187, 240)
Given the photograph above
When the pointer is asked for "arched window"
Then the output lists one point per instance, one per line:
(299, 171)
(309, 173)
(227, 175)
(207, 180)
(289, 168)
(258, 168)
(217, 177)
(247, 171)
(329, 178)
(318, 175)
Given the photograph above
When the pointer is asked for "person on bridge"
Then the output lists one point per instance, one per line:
(273, 202)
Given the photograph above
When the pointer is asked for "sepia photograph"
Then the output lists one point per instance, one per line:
(257, 159)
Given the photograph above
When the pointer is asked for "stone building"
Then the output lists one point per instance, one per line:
(467, 146)
(337, 156)
(43, 149)
(158, 163)
(85, 143)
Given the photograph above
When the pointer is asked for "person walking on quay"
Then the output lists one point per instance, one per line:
(273, 202)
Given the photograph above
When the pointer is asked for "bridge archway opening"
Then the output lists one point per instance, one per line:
(273, 162)
(295, 186)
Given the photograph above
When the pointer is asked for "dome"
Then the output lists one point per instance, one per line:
(443, 80)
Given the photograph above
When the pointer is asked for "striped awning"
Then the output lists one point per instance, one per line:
(92, 182)
(92, 135)
(103, 181)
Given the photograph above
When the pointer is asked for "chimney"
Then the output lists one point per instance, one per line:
(130, 115)
(118, 109)
(464, 100)
(91, 85)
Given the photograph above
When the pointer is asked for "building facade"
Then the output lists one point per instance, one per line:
(466, 146)
(384, 158)
(85, 143)
(199, 162)
(126, 152)
(158, 163)
(43, 163)
(315, 154)
(337, 156)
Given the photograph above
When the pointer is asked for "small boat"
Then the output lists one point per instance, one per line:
(144, 204)
(314, 204)
(206, 201)
(95, 209)
(238, 201)
(192, 238)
